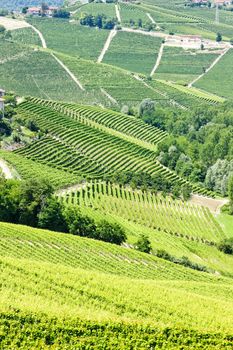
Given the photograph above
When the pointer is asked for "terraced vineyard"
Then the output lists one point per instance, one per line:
(80, 145)
(163, 214)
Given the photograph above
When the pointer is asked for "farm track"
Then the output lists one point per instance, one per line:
(73, 77)
(158, 60)
(112, 34)
(43, 42)
(118, 15)
(151, 18)
(109, 96)
(211, 67)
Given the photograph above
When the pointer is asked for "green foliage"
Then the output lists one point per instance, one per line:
(110, 232)
(143, 244)
(79, 224)
(226, 246)
(51, 216)
(230, 192)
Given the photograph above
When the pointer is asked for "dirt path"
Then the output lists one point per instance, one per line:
(118, 15)
(73, 77)
(6, 170)
(214, 205)
(158, 60)
(151, 18)
(207, 70)
(138, 31)
(42, 39)
(109, 96)
(70, 189)
(106, 45)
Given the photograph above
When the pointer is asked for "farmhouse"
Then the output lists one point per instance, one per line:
(36, 11)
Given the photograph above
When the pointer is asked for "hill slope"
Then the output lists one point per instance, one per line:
(81, 298)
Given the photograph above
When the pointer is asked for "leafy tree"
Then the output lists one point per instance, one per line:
(2, 29)
(110, 232)
(143, 244)
(230, 192)
(51, 216)
(79, 224)
(34, 194)
(10, 196)
(61, 13)
(146, 107)
(219, 37)
(226, 246)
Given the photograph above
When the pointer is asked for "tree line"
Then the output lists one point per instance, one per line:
(33, 203)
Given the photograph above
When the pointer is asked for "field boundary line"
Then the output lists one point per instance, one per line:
(157, 63)
(211, 67)
(73, 77)
(42, 39)
(112, 34)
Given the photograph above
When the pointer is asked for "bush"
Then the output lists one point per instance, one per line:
(226, 246)
(112, 233)
(143, 244)
(79, 224)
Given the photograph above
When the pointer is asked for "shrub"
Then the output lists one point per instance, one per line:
(143, 244)
(226, 246)
(112, 233)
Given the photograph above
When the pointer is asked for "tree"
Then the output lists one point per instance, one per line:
(51, 216)
(226, 246)
(79, 224)
(10, 195)
(34, 194)
(219, 37)
(143, 244)
(61, 13)
(24, 10)
(110, 232)
(146, 107)
(2, 29)
(230, 193)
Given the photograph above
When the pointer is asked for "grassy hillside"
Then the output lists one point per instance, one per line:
(140, 296)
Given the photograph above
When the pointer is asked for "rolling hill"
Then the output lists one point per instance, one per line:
(116, 130)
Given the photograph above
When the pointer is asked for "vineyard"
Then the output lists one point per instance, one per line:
(212, 81)
(84, 146)
(109, 281)
(129, 50)
(181, 65)
(147, 209)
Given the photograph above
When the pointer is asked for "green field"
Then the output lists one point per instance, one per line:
(222, 72)
(133, 52)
